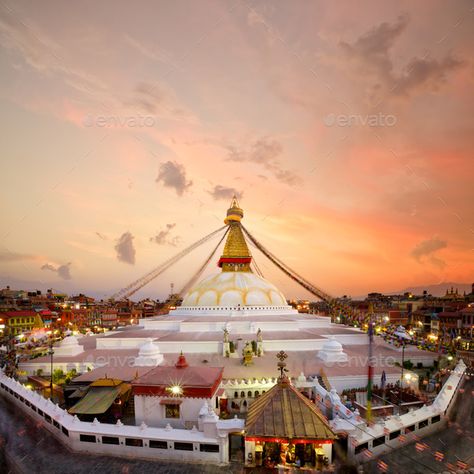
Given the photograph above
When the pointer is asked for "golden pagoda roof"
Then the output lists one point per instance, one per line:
(285, 413)
(236, 254)
(235, 245)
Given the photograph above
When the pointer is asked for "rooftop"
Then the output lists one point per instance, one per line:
(283, 412)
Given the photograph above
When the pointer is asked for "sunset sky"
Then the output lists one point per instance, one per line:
(347, 129)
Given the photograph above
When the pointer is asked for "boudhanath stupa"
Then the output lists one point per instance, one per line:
(237, 320)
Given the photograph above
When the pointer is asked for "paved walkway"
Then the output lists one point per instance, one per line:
(456, 442)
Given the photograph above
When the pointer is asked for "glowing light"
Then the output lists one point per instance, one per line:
(175, 390)
(407, 377)
(410, 332)
(450, 357)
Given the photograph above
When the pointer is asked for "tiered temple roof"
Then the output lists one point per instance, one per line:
(284, 413)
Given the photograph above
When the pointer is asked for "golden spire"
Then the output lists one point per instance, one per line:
(236, 255)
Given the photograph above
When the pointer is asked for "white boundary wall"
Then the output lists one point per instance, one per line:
(365, 441)
(133, 441)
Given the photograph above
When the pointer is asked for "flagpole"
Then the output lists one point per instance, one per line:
(370, 374)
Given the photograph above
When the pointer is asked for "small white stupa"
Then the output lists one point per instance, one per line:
(332, 351)
(68, 347)
(149, 355)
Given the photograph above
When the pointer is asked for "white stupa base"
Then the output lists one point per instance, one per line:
(332, 357)
(148, 361)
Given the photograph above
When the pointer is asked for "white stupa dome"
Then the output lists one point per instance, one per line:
(69, 341)
(234, 289)
(332, 351)
(148, 355)
(331, 345)
(68, 347)
(149, 349)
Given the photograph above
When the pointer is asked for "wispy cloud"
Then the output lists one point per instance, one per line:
(163, 236)
(39, 51)
(125, 249)
(173, 175)
(427, 249)
(17, 257)
(63, 271)
(224, 193)
(371, 53)
(150, 52)
(264, 152)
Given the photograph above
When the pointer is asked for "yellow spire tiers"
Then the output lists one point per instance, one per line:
(236, 255)
(236, 286)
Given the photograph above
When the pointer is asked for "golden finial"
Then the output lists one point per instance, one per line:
(281, 356)
(234, 213)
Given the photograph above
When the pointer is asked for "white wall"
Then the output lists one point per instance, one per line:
(74, 428)
(149, 410)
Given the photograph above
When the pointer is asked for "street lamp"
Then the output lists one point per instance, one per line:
(402, 337)
(50, 353)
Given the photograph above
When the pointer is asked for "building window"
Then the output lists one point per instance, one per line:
(409, 429)
(209, 448)
(422, 424)
(158, 444)
(183, 446)
(65, 431)
(171, 411)
(394, 435)
(361, 447)
(249, 394)
(242, 394)
(87, 438)
(236, 394)
(110, 440)
(378, 441)
(435, 419)
(134, 442)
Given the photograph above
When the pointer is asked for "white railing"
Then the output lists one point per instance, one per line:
(367, 441)
(119, 439)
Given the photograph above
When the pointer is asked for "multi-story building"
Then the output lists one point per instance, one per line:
(109, 318)
(20, 322)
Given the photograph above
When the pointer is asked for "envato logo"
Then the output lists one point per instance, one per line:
(372, 120)
(363, 361)
(111, 360)
(119, 121)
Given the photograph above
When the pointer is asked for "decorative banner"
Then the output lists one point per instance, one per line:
(439, 456)
(368, 454)
(383, 467)
(421, 447)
